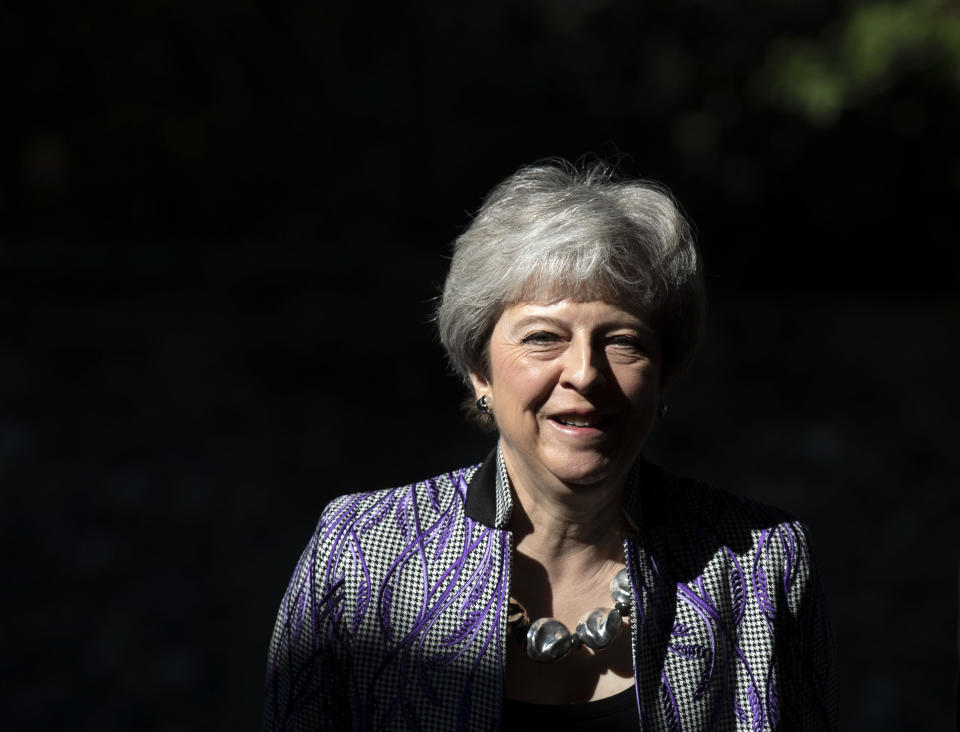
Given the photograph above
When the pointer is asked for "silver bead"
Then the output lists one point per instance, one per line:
(599, 627)
(620, 588)
(547, 640)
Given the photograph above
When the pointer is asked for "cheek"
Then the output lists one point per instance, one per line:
(528, 389)
(642, 387)
(522, 381)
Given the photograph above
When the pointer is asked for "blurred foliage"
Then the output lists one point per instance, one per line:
(353, 140)
(860, 55)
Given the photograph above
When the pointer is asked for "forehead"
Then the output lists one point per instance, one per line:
(572, 313)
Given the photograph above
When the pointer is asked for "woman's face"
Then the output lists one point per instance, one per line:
(574, 388)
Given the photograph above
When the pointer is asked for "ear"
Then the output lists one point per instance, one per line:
(481, 387)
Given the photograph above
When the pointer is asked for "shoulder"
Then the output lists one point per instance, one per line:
(376, 524)
(360, 534)
(708, 504)
(698, 521)
(366, 510)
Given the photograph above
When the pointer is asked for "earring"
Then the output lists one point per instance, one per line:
(482, 404)
(662, 409)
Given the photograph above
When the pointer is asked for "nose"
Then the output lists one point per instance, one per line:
(582, 367)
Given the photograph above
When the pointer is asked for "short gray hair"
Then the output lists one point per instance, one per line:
(554, 230)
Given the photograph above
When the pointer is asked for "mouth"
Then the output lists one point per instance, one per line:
(580, 420)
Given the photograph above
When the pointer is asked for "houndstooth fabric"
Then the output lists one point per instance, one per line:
(395, 618)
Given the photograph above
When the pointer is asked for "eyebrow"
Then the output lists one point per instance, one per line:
(559, 323)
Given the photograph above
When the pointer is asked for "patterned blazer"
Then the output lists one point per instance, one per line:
(395, 617)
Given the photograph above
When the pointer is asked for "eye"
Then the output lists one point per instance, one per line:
(626, 341)
(628, 346)
(540, 338)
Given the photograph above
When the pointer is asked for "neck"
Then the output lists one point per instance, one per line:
(567, 528)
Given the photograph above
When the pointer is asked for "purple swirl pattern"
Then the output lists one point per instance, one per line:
(738, 588)
(732, 632)
(445, 635)
(669, 701)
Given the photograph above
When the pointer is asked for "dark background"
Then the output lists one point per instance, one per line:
(222, 227)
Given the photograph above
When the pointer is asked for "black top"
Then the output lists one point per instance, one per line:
(614, 714)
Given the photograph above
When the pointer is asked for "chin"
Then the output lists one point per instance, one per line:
(584, 475)
(591, 468)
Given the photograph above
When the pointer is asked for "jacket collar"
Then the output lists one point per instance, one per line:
(489, 499)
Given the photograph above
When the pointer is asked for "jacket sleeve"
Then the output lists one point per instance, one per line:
(302, 673)
(806, 654)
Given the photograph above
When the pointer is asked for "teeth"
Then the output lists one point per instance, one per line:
(571, 422)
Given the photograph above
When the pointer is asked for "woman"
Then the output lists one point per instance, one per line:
(564, 580)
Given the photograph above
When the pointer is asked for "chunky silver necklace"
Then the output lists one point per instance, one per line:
(547, 639)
